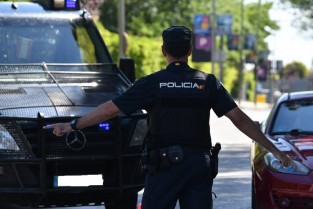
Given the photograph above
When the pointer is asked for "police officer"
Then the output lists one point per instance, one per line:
(179, 100)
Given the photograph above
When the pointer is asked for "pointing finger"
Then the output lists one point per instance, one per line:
(292, 162)
(49, 126)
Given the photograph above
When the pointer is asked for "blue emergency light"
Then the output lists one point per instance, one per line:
(71, 4)
(104, 126)
(59, 4)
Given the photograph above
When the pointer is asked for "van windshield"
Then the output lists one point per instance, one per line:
(36, 40)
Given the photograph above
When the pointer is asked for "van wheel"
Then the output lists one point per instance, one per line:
(126, 201)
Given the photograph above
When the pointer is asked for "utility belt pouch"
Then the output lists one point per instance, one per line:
(175, 154)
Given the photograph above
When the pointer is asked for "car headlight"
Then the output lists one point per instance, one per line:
(6, 140)
(273, 164)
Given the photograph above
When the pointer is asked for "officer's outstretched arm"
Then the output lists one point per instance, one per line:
(248, 127)
(101, 113)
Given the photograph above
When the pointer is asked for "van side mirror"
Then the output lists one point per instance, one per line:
(127, 66)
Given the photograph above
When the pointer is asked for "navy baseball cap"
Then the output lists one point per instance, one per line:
(176, 35)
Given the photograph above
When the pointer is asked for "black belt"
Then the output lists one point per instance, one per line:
(189, 148)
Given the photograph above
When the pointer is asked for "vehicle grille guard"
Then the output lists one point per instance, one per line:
(20, 153)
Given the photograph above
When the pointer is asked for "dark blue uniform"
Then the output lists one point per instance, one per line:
(179, 100)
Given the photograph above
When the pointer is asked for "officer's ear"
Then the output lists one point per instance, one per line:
(164, 52)
(190, 50)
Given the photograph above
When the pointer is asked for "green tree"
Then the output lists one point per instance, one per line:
(296, 69)
(256, 20)
(305, 18)
(150, 17)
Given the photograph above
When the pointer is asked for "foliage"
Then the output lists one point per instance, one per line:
(150, 17)
(250, 82)
(84, 42)
(296, 69)
(305, 17)
(264, 23)
(146, 52)
(111, 40)
(148, 57)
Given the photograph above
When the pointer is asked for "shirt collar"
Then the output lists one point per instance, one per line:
(177, 66)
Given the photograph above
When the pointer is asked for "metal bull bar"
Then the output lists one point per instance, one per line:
(24, 164)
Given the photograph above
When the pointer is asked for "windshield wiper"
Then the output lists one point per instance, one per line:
(45, 67)
(300, 132)
(280, 133)
(293, 132)
(296, 132)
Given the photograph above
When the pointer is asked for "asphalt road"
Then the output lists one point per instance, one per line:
(232, 186)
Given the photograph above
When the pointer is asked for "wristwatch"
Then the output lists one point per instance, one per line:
(73, 124)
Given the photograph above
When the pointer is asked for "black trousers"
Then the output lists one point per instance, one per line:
(189, 181)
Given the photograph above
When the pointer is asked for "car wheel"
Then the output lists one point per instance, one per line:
(127, 201)
(253, 200)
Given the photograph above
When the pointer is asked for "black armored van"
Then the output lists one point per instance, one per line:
(54, 67)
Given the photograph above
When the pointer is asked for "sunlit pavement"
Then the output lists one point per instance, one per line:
(232, 186)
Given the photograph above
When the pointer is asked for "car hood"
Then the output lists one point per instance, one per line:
(299, 148)
(52, 100)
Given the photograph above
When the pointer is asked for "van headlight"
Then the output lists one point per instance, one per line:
(6, 140)
(273, 164)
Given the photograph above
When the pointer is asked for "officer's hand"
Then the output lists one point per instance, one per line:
(285, 160)
(59, 129)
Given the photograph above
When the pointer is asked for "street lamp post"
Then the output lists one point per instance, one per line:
(240, 52)
(121, 29)
(213, 35)
(256, 58)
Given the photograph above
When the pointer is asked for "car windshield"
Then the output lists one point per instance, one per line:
(294, 117)
(37, 40)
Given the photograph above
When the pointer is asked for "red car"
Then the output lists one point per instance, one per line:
(290, 128)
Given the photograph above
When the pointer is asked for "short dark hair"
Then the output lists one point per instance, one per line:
(177, 41)
(177, 51)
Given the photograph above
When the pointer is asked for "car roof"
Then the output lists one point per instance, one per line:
(296, 96)
(18, 9)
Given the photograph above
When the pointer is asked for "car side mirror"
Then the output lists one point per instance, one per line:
(127, 66)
